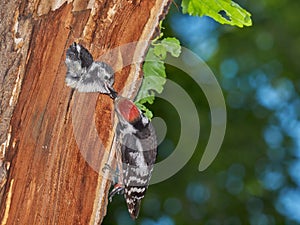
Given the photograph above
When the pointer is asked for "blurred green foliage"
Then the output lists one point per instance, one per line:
(255, 178)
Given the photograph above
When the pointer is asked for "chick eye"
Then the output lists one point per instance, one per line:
(106, 77)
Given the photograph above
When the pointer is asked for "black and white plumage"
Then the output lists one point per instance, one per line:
(86, 75)
(138, 153)
(135, 134)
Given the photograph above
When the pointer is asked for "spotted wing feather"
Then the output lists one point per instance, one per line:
(138, 157)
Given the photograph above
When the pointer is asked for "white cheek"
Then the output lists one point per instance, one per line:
(145, 120)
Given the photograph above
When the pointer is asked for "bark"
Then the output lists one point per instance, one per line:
(56, 140)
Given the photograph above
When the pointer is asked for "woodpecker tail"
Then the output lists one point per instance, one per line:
(133, 205)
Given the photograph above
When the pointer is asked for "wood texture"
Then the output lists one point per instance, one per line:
(60, 139)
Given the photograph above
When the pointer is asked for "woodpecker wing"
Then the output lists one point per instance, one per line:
(138, 152)
(98, 78)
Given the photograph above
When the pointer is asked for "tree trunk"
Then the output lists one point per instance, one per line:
(57, 140)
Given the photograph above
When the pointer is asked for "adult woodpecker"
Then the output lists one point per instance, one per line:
(138, 153)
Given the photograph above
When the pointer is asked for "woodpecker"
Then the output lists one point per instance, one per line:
(137, 150)
(86, 75)
(138, 153)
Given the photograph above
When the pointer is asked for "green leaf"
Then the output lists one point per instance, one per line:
(146, 111)
(154, 71)
(223, 11)
(172, 45)
(160, 51)
(149, 99)
(154, 77)
(152, 55)
(154, 68)
(149, 86)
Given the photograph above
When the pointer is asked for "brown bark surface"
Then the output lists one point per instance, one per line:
(55, 139)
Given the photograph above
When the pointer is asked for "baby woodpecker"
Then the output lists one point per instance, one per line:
(86, 75)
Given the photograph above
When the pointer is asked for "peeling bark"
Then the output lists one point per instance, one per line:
(57, 140)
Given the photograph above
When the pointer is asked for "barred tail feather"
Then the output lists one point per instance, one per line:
(133, 205)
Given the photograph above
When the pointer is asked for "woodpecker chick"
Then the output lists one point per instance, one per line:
(138, 153)
(86, 75)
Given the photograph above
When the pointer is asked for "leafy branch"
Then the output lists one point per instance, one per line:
(223, 11)
(155, 71)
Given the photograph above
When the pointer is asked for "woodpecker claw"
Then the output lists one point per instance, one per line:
(118, 189)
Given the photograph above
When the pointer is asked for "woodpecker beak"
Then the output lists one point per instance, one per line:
(112, 93)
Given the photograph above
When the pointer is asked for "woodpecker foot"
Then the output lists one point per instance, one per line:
(107, 167)
(111, 171)
(118, 189)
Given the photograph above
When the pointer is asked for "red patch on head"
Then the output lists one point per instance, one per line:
(128, 110)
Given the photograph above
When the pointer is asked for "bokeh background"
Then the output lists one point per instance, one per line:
(255, 178)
